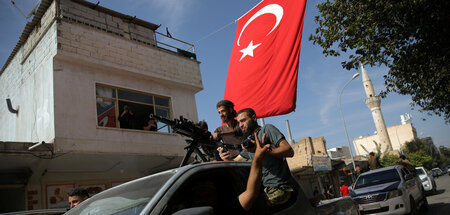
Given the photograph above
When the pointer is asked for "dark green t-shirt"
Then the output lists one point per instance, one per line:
(275, 170)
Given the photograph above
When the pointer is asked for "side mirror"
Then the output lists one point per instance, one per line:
(408, 177)
(207, 210)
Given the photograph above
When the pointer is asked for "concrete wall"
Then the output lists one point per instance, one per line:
(28, 82)
(81, 14)
(339, 152)
(398, 134)
(88, 56)
(304, 149)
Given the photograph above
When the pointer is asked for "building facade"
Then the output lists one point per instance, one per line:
(301, 166)
(75, 69)
(398, 134)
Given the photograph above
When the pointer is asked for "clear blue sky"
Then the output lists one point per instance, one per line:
(320, 79)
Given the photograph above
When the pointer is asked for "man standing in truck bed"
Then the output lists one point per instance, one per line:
(229, 133)
(276, 173)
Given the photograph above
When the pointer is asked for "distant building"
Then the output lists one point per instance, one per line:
(67, 81)
(306, 151)
(398, 135)
(341, 152)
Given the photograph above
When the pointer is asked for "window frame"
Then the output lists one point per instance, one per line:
(115, 98)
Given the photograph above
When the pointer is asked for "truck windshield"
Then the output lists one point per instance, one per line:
(420, 171)
(387, 176)
(129, 198)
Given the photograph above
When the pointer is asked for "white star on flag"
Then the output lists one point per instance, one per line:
(248, 50)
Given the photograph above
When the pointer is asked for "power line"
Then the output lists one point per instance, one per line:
(210, 34)
(32, 12)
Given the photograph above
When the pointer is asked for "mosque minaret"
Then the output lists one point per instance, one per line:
(373, 102)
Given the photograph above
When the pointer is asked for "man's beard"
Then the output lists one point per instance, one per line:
(250, 129)
(227, 118)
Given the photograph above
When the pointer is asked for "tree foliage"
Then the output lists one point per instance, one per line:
(389, 160)
(421, 152)
(410, 37)
(420, 158)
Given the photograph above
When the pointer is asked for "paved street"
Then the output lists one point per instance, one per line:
(439, 203)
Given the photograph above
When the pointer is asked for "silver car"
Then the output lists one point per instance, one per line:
(389, 190)
(203, 188)
(427, 179)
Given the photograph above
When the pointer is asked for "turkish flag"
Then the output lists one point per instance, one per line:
(263, 68)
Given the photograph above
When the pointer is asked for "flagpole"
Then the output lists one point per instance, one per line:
(262, 121)
(288, 127)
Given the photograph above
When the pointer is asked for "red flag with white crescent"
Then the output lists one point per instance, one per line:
(263, 68)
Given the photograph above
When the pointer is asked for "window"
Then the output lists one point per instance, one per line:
(215, 188)
(383, 177)
(129, 109)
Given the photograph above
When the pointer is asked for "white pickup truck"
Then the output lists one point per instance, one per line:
(202, 188)
(389, 190)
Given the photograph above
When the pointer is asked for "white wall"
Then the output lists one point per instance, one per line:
(88, 56)
(29, 85)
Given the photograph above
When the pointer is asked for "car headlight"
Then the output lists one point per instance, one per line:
(394, 193)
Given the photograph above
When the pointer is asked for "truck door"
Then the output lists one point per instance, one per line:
(209, 187)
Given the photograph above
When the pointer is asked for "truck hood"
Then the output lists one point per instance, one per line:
(422, 177)
(376, 188)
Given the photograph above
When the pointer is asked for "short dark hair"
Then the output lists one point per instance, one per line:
(228, 104)
(78, 192)
(357, 165)
(403, 157)
(371, 153)
(250, 112)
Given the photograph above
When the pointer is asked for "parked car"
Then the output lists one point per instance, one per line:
(178, 191)
(389, 190)
(444, 170)
(427, 179)
(436, 172)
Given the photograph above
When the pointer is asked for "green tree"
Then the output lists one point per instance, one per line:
(424, 153)
(420, 158)
(389, 160)
(410, 37)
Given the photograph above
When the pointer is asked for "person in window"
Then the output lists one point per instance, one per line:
(374, 162)
(76, 196)
(277, 175)
(404, 162)
(126, 117)
(151, 125)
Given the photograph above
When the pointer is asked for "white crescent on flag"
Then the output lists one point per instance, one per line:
(263, 69)
(274, 9)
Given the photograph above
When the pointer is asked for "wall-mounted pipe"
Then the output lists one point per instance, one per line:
(10, 108)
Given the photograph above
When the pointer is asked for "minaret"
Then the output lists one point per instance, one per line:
(373, 102)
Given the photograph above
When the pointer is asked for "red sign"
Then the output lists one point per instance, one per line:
(107, 118)
(263, 68)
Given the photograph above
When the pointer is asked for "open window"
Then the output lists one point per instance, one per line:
(129, 109)
(215, 188)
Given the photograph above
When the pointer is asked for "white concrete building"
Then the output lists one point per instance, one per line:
(398, 134)
(341, 152)
(74, 68)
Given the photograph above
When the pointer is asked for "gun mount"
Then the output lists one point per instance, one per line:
(198, 137)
